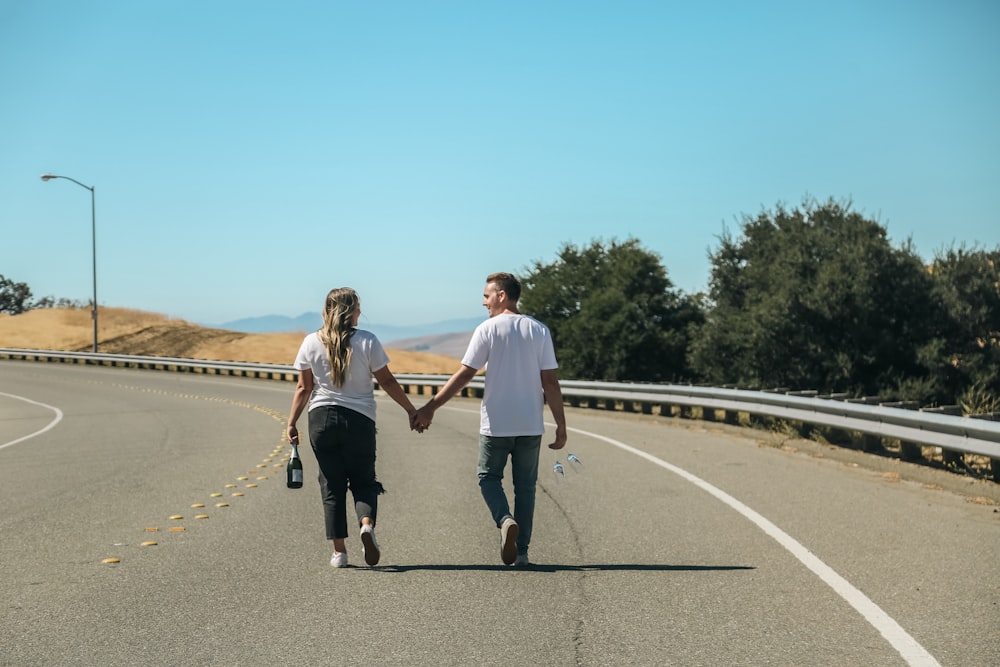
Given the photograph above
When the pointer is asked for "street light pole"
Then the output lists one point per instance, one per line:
(93, 237)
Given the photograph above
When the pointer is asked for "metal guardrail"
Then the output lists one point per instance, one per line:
(953, 434)
(235, 368)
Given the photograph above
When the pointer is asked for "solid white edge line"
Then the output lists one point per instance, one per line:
(911, 651)
(59, 416)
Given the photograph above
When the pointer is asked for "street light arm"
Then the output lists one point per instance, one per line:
(93, 236)
(49, 177)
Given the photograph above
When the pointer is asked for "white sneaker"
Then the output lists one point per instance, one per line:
(339, 559)
(508, 541)
(370, 545)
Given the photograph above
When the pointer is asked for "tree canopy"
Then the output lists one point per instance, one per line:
(964, 354)
(15, 298)
(814, 298)
(612, 311)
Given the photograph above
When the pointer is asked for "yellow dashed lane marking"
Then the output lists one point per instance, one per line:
(275, 467)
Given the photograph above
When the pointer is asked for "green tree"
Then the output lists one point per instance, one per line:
(612, 311)
(15, 298)
(965, 355)
(815, 298)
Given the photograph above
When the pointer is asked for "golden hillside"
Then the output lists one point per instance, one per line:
(125, 331)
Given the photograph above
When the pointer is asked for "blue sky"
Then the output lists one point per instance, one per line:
(249, 156)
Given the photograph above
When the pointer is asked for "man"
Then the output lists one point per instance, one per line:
(520, 363)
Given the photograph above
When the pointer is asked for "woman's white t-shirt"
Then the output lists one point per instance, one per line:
(367, 356)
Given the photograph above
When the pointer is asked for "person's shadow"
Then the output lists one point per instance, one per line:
(542, 567)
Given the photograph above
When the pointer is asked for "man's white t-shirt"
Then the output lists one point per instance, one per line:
(514, 349)
(367, 356)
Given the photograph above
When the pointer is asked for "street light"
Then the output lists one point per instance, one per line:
(93, 236)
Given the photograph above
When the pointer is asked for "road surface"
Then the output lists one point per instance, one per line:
(680, 542)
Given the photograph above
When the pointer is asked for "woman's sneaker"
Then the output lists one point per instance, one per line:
(339, 559)
(369, 545)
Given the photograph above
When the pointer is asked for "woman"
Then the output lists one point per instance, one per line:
(336, 365)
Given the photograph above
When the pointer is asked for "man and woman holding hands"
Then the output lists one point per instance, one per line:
(336, 365)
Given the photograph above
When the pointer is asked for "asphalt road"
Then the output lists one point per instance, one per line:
(680, 543)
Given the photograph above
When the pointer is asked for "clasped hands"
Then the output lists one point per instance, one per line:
(420, 420)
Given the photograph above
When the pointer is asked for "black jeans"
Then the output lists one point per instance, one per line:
(344, 444)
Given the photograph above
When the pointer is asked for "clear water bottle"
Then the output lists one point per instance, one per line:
(575, 463)
(560, 471)
(294, 469)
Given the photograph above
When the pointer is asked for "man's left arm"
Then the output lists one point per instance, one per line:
(553, 396)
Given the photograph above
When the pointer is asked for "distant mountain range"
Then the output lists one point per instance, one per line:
(410, 336)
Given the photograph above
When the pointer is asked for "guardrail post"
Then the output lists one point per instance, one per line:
(908, 451)
(951, 459)
(804, 429)
(994, 462)
(871, 443)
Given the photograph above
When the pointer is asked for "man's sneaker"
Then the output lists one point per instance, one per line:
(508, 541)
(521, 561)
(339, 559)
(369, 545)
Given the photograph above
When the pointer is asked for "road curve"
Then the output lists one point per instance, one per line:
(679, 543)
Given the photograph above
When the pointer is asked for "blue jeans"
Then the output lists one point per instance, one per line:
(523, 453)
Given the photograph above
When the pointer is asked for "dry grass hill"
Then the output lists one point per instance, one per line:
(125, 331)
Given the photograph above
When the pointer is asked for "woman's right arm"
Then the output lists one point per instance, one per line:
(303, 390)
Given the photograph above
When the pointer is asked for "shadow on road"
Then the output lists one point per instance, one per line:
(603, 567)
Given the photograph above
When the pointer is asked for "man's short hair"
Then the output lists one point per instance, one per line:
(506, 282)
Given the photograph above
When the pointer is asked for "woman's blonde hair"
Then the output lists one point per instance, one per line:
(338, 327)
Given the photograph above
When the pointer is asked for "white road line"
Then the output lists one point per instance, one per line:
(58, 418)
(912, 652)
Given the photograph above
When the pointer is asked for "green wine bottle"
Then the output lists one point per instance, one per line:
(294, 469)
